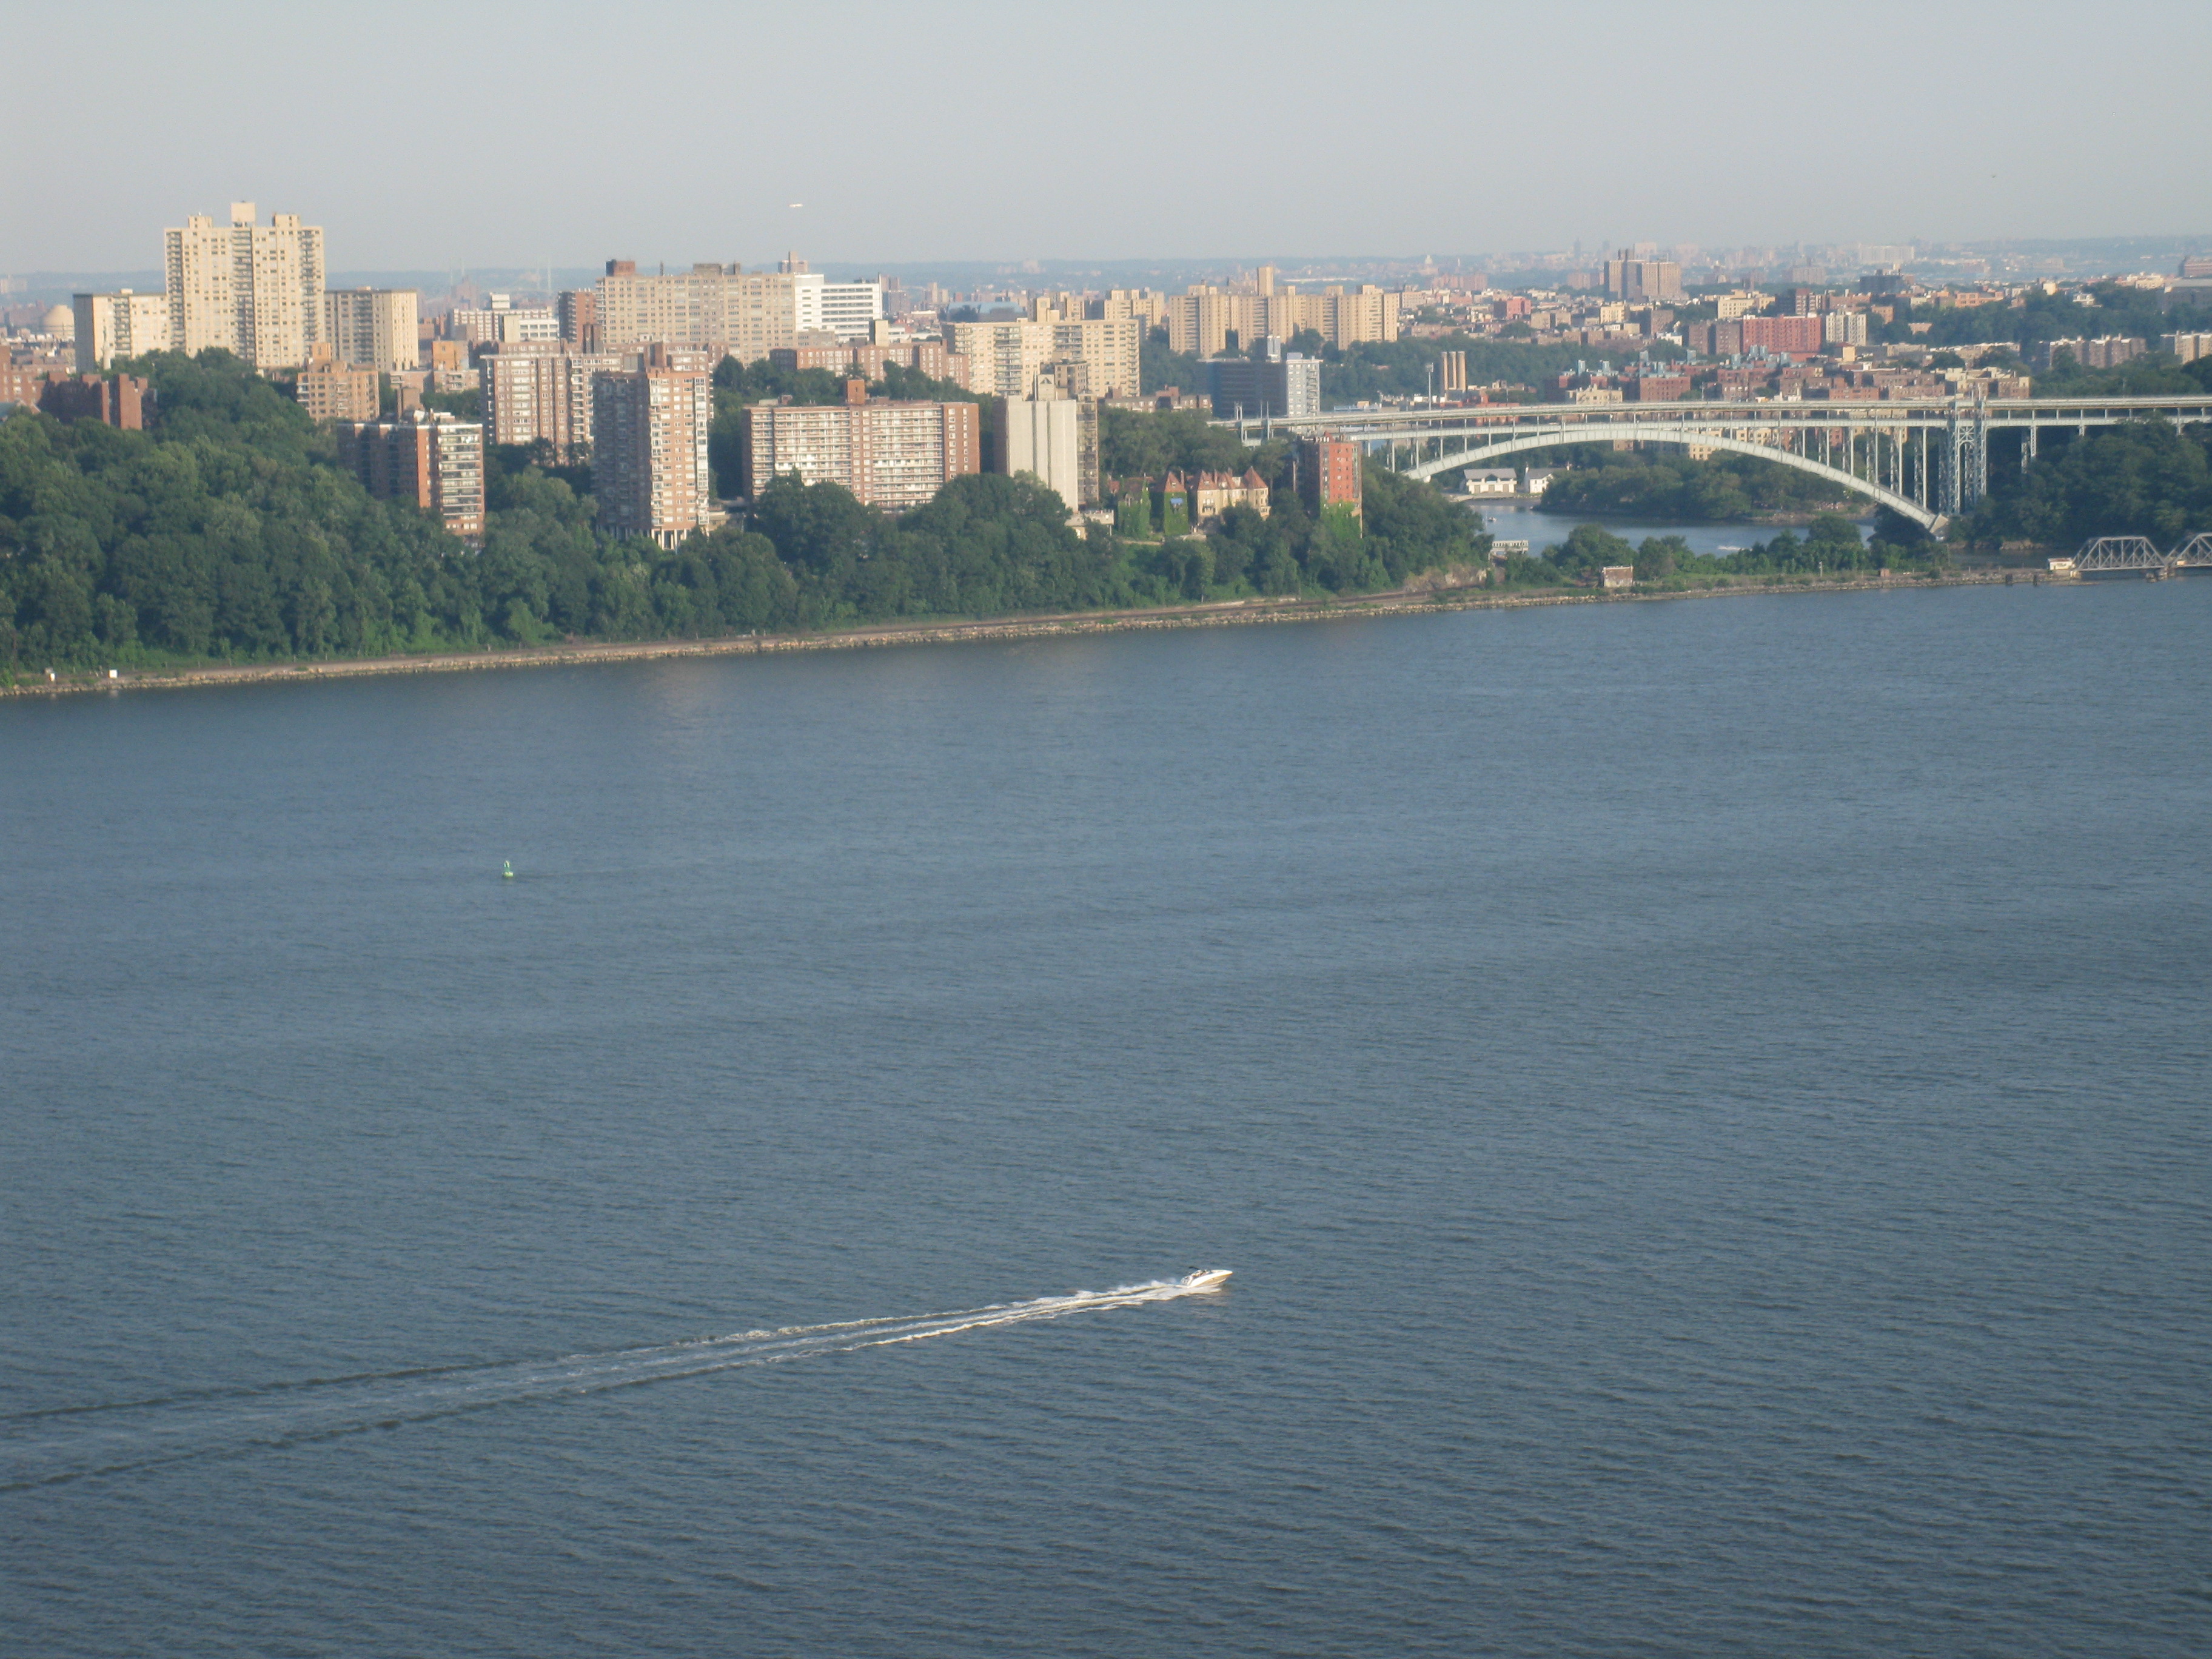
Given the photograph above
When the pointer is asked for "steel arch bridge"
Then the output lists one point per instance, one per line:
(1635, 432)
(1926, 459)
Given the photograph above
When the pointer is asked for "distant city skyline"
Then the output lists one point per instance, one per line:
(691, 132)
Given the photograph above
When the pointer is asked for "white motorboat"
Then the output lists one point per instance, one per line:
(1204, 1278)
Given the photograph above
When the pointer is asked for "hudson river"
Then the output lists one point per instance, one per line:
(1706, 1104)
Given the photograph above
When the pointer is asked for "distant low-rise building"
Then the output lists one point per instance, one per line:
(1213, 494)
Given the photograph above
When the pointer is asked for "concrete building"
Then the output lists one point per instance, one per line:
(649, 465)
(1055, 438)
(119, 326)
(1284, 387)
(537, 392)
(1209, 321)
(891, 455)
(2183, 348)
(433, 460)
(578, 308)
(501, 323)
(1328, 475)
(253, 289)
(330, 390)
(1005, 359)
(2109, 351)
(848, 310)
(116, 400)
(378, 328)
(1796, 337)
(747, 314)
(869, 360)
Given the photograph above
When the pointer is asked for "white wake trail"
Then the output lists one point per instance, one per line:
(42, 1448)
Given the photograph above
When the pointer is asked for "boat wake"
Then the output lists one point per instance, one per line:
(72, 1442)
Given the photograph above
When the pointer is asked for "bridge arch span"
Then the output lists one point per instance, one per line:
(1658, 433)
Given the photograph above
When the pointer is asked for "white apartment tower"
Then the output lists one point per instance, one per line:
(256, 290)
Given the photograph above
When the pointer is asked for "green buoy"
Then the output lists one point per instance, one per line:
(506, 869)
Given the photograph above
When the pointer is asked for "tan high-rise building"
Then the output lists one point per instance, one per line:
(1148, 308)
(377, 328)
(1005, 359)
(433, 460)
(1207, 321)
(649, 467)
(891, 455)
(112, 326)
(534, 392)
(746, 314)
(255, 290)
(330, 390)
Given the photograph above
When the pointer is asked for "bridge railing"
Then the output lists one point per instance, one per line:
(1998, 411)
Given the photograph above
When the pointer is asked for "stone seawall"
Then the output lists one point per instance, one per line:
(1445, 594)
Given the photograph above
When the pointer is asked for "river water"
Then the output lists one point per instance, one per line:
(1541, 530)
(1705, 1103)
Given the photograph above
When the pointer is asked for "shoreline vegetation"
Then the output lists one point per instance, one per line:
(1446, 595)
(224, 545)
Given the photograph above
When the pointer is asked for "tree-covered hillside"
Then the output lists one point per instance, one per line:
(227, 533)
(2145, 479)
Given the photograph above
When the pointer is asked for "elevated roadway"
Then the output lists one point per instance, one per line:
(1924, 459)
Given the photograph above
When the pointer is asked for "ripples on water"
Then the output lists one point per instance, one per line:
(1705, 1101)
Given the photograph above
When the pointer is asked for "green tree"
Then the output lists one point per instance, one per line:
(1588, 548)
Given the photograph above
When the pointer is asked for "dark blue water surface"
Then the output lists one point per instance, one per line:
(1706, 1104)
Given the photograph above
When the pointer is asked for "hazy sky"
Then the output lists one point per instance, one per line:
(447, 136)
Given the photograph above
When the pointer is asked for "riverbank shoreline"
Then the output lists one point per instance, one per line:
(1226, 613)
